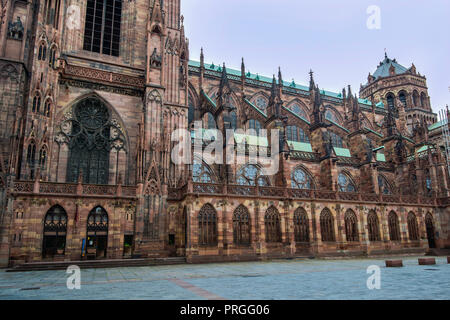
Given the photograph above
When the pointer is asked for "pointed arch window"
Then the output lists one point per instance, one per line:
(301, 225)
(207, 226)
(47, 108)
(241, 226)
(301, 179)
(102, 26)
(191, 112)
(345, 183)
(233, 120)
(42, 53)
(211, 122)
(394, 228)
(55, 230)
(351, 226)
(90, 143)
(373, 226)
(31, 155)
(413, 227)
(201, 173)
(423, 100)
(52, 57)
(250, 175)
(384, 186)
(415, 99)
(402, 97)
(331, 116)
(43, 158)
(36, 103)
(327, 226)
(298, 110)
(273, 225)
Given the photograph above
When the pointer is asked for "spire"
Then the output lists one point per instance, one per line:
(280, 78)
(224, 79)
(202, 58)
(311, 80)
(273, 91)
(243, 67)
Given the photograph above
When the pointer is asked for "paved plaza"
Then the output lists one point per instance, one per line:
(284, 279)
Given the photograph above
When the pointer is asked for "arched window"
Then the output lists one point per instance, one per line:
(336, 140)
(254, 124)
(329, 115)
(52, 57)
(261, 103)
(351, 226)
(102, 26)
(301, 225)
(429, 224)
(273, 225)
(36, 103)
(43, 158)
(415, 99)
(413, 228)
(327, 226)
(191, 112)
(402, 97)
(383, 185)
(394, 228)
(390, 101)
(301, 179)
(423, 100)
(296, 134)
(207, 226)
(97, 233)
(345, 183)
(233, 120)
(428, 184)
(210, 121)
(373, 227)
(90, 143)
(47, 108)
(241, 226)
(31, 158)
(55, 229)
(298, 110)
(42, 53)
(250, 175)
(201, 173)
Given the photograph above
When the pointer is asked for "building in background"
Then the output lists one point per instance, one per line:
(88, 103)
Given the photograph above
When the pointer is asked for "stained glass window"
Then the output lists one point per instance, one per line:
(345, 183)
(261, 103)
(301, 179)
(90, 143)
(250, 175)
(201, 173)
(297, 134)
(298, 111)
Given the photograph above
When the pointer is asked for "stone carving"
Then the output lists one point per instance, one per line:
(15, 29)
(155, 59)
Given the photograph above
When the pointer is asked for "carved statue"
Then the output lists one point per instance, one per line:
(155, 59)
(15, 29)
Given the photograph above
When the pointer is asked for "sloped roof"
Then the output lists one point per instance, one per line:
(383, 68)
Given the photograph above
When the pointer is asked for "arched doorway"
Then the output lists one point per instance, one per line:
(97, 233)
(55, 230)
(430, 230)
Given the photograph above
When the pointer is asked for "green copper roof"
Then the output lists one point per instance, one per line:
(298, 116)
(255, 107)
(423, 148)
(300, 146)
(339, 126)
(258, 77)
(380, 104)
(251, 140)
(437, 125)
(374, 132)
(381, 157)
(383, 68)
(342, 152)
(209, 99)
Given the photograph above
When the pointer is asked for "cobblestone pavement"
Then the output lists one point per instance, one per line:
(284, 279)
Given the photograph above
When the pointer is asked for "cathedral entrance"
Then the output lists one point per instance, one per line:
(97, 234)
(430, 230)
(55, 229)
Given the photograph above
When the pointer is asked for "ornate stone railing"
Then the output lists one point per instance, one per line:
(288, 193)
(72, 189)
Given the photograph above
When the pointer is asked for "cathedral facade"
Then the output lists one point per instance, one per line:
(91, 92)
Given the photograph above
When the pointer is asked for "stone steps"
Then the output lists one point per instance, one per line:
(90, 264)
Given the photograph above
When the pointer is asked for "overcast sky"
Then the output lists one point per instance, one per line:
(330, 37)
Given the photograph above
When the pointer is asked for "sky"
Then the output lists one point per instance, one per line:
(330, 37)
